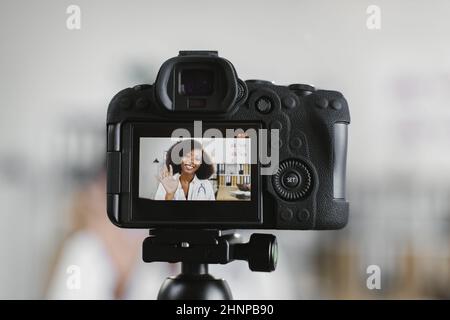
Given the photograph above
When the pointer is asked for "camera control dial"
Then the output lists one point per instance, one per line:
(302, 89)
(293, 180)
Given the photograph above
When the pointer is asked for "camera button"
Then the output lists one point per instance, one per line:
(303, 215)
(261, 82)
(302, 89)
(296, 143)
(141, 87)
(286, 214)
(322, 103)
(293, 180)
(264, 105)
(290, 179)
(242, 91)
(276, 125)
(289, 102)
(336, 105)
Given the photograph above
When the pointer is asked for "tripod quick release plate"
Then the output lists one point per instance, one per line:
(210, 247)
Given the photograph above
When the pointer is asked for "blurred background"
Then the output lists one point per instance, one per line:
(56, 83)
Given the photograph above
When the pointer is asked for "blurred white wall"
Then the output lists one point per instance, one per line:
(55, 85)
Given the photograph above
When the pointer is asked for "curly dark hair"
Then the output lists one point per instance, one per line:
(206, 168)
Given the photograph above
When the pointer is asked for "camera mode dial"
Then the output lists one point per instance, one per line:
(302, 89)
(293, 180)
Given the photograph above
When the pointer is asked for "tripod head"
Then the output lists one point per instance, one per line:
(195, 249)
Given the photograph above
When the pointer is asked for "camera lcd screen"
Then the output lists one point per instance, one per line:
(195, 169)
(208, 179)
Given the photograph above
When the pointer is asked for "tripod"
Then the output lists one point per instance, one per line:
(196, 249)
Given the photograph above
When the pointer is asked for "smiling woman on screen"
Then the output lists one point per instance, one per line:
(186, 179)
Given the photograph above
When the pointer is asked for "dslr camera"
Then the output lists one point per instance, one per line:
(189, 151)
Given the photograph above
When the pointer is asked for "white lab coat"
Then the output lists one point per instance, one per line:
(198, 190)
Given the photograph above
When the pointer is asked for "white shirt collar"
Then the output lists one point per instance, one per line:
(194, 181)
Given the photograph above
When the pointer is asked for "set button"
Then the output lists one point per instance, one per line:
(290, 179)
(293, 180)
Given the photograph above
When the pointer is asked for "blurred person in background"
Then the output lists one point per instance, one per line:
(98, 260)
(103, 254)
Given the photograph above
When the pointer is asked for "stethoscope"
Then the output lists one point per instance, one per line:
(200, 188)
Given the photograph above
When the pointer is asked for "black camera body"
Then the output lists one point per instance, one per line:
(306, 191)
